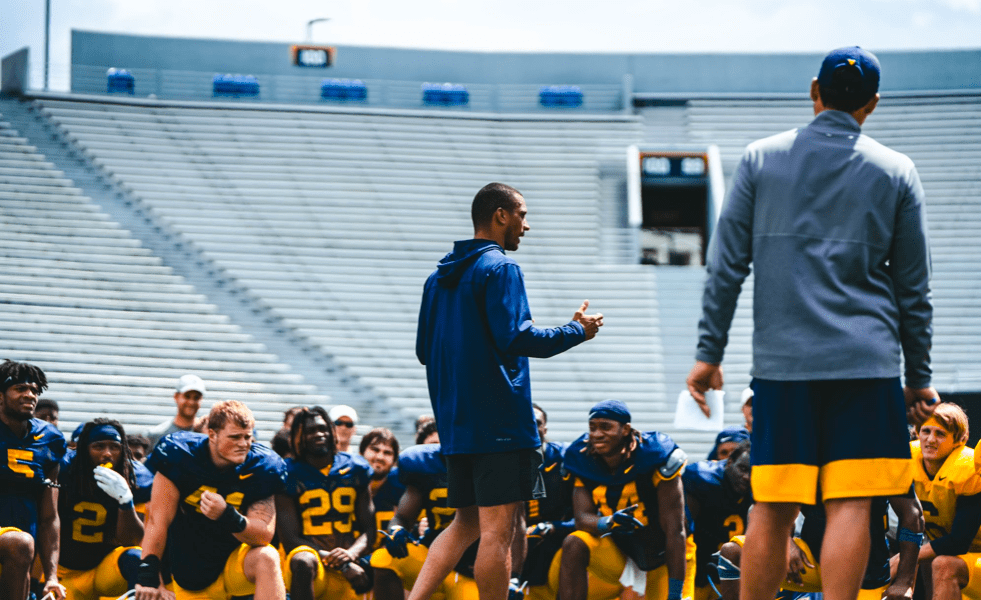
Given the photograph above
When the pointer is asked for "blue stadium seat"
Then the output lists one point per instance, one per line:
(569, 96)
(235, 86)
(343, 89)
(120, 81)
(445, 94)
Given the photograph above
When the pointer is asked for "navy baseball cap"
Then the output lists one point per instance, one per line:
(856, 60)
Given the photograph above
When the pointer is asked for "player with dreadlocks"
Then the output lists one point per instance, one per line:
(31, 450)
(101, 485)
(628, 503)
(326, 522)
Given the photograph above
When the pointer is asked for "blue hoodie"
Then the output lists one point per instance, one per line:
(475, 336)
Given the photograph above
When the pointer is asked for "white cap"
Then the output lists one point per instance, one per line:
(747, 395)
(190, 382)
(343, 410)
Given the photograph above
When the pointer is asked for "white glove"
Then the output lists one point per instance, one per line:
(113, 484)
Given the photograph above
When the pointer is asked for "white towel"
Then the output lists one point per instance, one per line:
(632, 577)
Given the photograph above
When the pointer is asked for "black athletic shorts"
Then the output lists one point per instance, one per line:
(494, 479)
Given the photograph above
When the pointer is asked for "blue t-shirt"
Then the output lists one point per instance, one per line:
(88, 521)
(200, 545)
(23, 471)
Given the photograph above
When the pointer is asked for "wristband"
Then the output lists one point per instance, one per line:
(674, 588)
(232, 520)
(148, 573)
(727, 570)
(905, 535)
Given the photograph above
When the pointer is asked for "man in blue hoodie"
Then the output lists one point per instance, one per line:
(475, 336)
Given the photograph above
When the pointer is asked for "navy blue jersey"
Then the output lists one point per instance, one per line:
(556, 508)
(385, 495)
(721, 511)
(423, 468)
(557, 503)
(88, 522)
(198, 546)
(655, 459)
(325, 500)
(877, 570)
(23, 471)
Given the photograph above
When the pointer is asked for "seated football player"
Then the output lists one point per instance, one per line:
(804, 553)
(101, 484)
(398, 562)
(949, 488)
(548, 519)
(212, 507)
(717, 498)
(32, 451)
(630, 511)
(726, 441)
(380, 448)
(325, 520)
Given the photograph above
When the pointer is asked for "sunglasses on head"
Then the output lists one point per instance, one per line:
(340, 423)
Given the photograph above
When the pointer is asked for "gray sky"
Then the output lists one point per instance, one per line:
(508, 25)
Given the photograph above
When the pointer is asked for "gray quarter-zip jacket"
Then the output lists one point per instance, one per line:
(834, 226)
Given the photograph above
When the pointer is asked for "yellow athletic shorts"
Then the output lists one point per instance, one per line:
(104, 580)
(973, 589)
(328, 583)
(231, 582)
(606, 564)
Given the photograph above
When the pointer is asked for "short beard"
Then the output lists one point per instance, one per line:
(319, 452)
(14, 415)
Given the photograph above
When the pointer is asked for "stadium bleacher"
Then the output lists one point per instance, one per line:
(330, 218)
(111, 326)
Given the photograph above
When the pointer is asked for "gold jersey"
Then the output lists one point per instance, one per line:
(956, 477)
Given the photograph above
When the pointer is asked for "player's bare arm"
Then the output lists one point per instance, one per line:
(261, 525)
(585, 511)
(671, 510)
(49, 532)
(288, 525)
(129, 527)
(364, 513)
(160, 513)
(910, 533)
(410, 505)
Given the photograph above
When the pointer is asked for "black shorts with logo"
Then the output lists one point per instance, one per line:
(494, 479)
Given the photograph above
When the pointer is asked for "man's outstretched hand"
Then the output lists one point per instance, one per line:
(590, 323)
(702, 378)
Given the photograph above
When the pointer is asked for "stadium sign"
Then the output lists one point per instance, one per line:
(313, 56)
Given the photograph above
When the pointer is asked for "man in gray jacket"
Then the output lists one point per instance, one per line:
(833, 224)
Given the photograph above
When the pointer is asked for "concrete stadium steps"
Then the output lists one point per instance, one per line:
(111, 326)
(331, 222)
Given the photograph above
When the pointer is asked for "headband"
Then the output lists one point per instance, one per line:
(613, 410)
(104, 432)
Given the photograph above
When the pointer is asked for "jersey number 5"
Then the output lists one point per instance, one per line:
(14, 457)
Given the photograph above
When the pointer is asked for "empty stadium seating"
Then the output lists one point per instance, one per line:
(110, 325)
(331, 218)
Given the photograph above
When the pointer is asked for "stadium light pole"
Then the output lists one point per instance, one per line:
(310, 26)
(47, 39)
